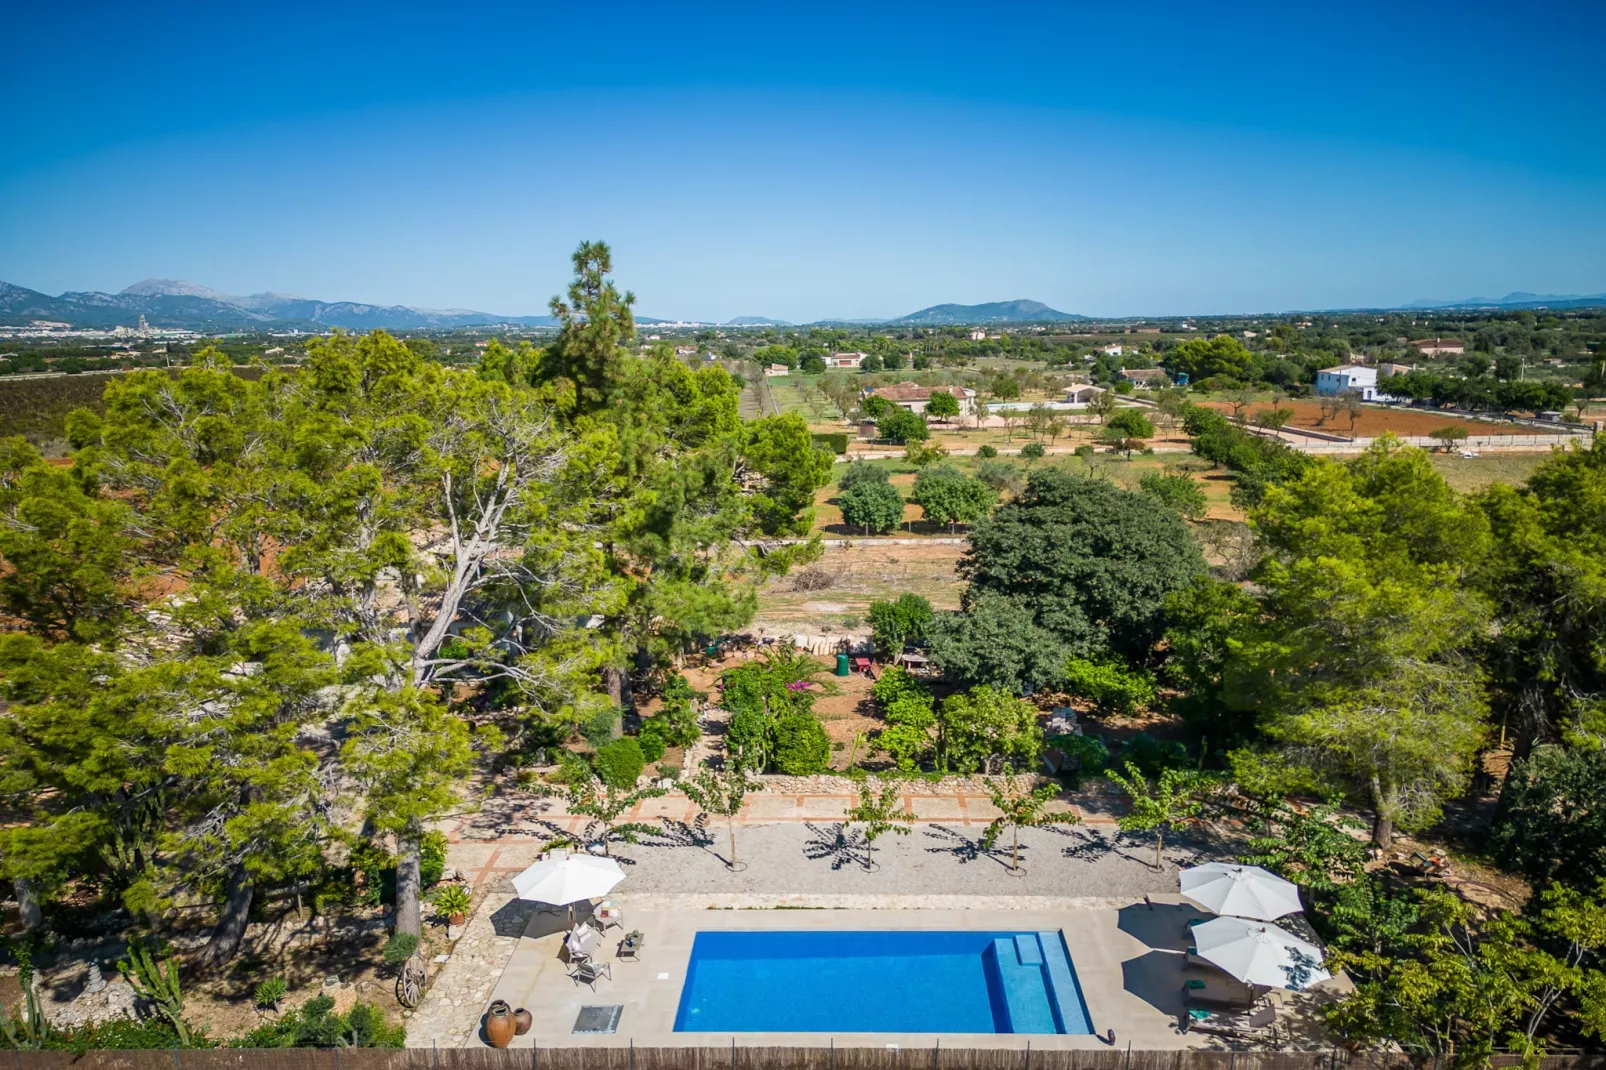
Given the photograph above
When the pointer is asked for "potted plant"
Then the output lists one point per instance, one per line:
(453, 901)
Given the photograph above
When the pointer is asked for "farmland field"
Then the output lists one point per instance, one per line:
(1374, 420)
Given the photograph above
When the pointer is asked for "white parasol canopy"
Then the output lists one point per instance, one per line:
(566, 879)
(1242, 891)
(1259, 953)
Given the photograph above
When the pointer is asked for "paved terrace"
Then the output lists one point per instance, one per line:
(797, 853)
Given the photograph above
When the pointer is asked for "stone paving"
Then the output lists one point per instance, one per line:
(799, 853)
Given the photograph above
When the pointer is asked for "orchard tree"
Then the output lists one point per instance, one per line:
(949, 497)
(875, 507)
(942, 405)
(1019, 808)
(722, 793)
(1172, 801)
(900, 425)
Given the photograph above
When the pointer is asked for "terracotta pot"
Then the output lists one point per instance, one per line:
(499, 1024)
(524, 1020)
(456, 919)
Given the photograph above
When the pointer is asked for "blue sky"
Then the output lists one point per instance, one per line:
(811, 160)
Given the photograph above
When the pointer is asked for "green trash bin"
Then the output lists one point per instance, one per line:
(842, 665)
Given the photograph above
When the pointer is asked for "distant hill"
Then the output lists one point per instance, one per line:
(1519, 299)
(177, 304)
(756, 321)
(1017, 311)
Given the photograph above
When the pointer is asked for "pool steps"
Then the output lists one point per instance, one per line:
(1035, 990)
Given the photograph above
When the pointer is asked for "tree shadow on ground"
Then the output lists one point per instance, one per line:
(679, 833)
(950, 841)
(837, 843)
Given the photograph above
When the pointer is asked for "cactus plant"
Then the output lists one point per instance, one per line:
(158, 984)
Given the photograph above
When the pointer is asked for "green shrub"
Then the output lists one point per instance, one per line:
(861, 472)
(651, 740)
(1154, 756)
(121, 1034)
(896, 622)
(874, 507)
(1087, 755)
(987, 453)
(835, 441)
(454, 899)
(905, 744)
(1111, 687)
(315, 1025)
(399, 948)
(801, 746)
(619, 763)
(900, 426)
(270, 992)
(669, 771)
(598, 729)
(894, 684)
(1033, 451)
(999, 475)
(432, 858)
(750, 734)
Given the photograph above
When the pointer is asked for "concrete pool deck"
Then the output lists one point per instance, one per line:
(1128, 959)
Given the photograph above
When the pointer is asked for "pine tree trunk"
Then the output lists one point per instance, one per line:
(231, 923)
(614, 679)
(1383, 814)
(33, 918)
(409, 914)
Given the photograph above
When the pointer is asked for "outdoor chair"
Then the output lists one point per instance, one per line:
(588, 971)
(1244, 1026)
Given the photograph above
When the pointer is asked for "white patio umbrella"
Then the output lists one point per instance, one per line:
(1259, 953)
(1242, 891)
(567, 879)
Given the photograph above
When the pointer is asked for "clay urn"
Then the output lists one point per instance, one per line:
(499, 1024)
(523, 1019)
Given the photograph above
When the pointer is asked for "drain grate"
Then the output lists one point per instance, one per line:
(598, 1019)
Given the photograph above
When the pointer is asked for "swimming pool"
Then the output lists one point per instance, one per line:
(881, 982)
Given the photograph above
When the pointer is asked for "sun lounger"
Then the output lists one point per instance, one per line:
(1230, 1023)
(1218, 991)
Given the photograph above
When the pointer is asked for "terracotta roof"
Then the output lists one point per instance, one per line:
(916, 392)
(1144, 373)
(1438, 342)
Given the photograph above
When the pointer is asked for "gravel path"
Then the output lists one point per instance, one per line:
(825, 858)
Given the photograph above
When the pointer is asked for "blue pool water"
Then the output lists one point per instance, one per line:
(881, 982)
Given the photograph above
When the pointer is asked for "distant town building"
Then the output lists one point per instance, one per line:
(1146, 376)
(1435, 347)
(978, 335)
(685, 351)
(1349, 379)
(776, 370)
(1115, 349)
(845, 360)
(915, 398)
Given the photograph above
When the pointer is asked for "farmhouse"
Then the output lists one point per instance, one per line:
(1154, 377)
(914, 397)
(1349, 379)
(845, 360)
(1114, 349)
(1082, 393)
(777, 370)
(1434, 347)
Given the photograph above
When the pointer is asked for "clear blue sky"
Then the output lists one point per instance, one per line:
(811, 160)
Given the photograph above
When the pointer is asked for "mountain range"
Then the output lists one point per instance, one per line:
(1519, 299)
(1019, 310)
(174, 303)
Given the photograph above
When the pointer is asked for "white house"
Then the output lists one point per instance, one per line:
(1347, 379)
(1115, 349)
(845, 360)
(978, 335)
(1082, 393)
(776, 370)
